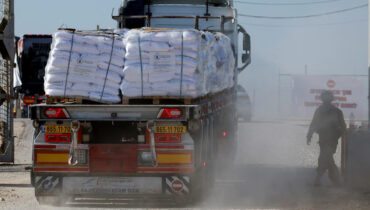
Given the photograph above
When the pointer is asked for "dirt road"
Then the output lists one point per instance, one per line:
(274, 169)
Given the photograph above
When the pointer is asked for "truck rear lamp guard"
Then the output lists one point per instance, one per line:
(56, 113)
(150, 128)
(73, 156)
(169, 113)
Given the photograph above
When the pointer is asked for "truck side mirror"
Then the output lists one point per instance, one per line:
(246, 54)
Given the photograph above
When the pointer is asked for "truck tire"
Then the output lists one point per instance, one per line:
(32, 177)
(202, 185)
(50, 200)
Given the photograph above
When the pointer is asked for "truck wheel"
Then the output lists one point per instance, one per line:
(50, 200)
(202, 185)
(32, 176)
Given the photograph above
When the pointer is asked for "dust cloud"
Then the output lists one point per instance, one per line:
(275, 168)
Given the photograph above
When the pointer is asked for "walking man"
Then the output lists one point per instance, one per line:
(329, 123)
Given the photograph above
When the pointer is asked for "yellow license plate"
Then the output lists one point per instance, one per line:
(58, 129)
(170, 129)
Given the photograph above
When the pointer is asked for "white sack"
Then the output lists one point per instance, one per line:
(85, 64)
(131, 55)
(206, 60)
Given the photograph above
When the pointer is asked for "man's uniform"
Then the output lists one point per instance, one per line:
(329, 123)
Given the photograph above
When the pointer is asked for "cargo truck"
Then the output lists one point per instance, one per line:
(169, 148)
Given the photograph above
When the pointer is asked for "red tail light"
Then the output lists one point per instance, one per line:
(168, 138)
(169, 113)
(57, 138)
(59, 113)
(64, 137)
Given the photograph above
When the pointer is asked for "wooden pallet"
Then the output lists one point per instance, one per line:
(157, 100)
(63, 100)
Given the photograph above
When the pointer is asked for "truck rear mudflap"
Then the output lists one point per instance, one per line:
(111, 186)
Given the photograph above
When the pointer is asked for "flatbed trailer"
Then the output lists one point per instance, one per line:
(175, 150)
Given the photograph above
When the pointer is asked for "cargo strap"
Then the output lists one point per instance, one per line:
(182, 61)
(106, 73)
(141, 66)
(69, 63)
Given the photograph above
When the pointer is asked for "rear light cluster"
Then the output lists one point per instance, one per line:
(58, 138)
(169, 113)
(168, 138)
(82, 156)
(41, 99)
(56, 113)
(145, 158)
(29, 99)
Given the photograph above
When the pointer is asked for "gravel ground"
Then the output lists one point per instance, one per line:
(274, 169)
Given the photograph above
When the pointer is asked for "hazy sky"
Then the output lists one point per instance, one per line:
(333, 44)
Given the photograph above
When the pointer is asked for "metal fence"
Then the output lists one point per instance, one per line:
(6, 83)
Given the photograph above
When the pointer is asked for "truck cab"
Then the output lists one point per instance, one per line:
(210, 15)
(32, 55)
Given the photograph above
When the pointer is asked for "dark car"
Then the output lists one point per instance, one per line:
(244, 105)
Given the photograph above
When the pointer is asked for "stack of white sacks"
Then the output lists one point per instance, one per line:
(85, 65)
(182, 63)
(185, 63)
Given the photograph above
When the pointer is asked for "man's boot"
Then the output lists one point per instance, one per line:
(334, 176)
(317, 182)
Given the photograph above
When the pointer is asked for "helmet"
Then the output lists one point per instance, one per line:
(327, 96)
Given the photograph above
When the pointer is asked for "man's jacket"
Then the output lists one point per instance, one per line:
(328, 122)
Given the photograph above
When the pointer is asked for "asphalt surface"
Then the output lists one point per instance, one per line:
(274, 169)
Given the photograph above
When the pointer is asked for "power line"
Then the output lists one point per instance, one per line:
(286, 4)
(302, 26)
(304, 16)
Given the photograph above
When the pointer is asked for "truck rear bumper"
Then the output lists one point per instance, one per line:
(105, 186)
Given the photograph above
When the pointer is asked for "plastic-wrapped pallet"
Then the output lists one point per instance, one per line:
(220, 62)
(175, 63)
(85, 64)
